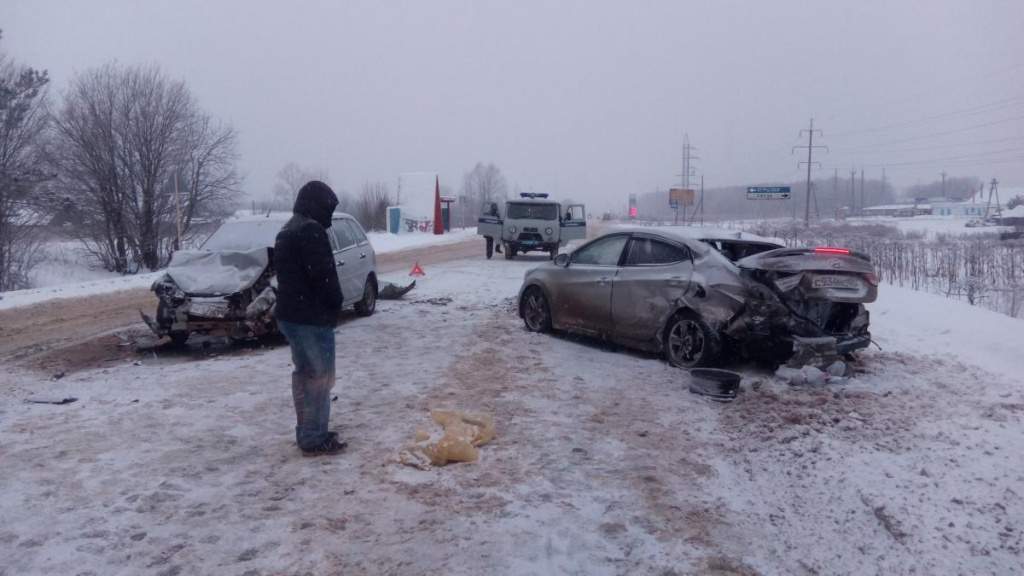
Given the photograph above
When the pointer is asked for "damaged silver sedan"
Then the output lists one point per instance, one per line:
(673, 293)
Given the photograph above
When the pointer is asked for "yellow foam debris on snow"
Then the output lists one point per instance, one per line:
(462, 434)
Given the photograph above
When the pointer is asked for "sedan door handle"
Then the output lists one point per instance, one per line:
(603, 280)
(362, 255)
(339, 262)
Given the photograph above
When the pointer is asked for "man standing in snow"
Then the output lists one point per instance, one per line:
(308, 302)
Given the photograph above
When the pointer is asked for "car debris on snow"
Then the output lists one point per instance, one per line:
(392, 291)
(462, 434)
(55, 401)
(718, 385)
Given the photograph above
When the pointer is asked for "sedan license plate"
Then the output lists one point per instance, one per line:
(836, 281)
(209, 309)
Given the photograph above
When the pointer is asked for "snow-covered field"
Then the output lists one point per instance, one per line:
(603, 463)
(67, 272)
(929, 226)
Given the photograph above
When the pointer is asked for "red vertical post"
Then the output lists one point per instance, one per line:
(438, 224)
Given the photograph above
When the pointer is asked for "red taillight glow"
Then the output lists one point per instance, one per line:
(842, 251)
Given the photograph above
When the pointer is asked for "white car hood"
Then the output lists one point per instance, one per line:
(217, 273)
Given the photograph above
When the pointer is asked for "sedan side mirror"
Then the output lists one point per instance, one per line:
(562, 260)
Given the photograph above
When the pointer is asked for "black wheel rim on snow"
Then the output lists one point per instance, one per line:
(686, 342)
(534, 311)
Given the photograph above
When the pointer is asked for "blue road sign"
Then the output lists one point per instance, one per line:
(768, 193)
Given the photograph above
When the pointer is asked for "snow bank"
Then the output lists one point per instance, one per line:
(77, 283)
(925, 323)
(383, 242)
(17, 298)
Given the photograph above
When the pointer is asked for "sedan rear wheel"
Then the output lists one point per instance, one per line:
(536, 313)
(689, 342)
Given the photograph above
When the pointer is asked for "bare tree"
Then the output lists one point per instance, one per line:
(482, 185)
(23, 120)
(290, 178)
(371, 206)
(124, 141)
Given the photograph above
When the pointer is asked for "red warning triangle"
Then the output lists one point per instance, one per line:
(417, 271)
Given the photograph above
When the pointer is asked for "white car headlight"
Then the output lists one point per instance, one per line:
(512, 229)
(549, 231)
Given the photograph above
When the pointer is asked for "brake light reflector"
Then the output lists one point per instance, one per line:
(826, 250)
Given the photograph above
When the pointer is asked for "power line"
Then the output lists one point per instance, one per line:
(926, 161)
(946, 145)
(959, 163)
(982, 109)
(964, 81)
(936, 134)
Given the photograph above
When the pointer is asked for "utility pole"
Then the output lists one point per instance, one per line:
(810, 149)
(700, 205)
(881, 193)
(177, 210)
(943, 174)
(853, 192)
(702, 200)
(993, 188)
(862, 204)
(687, 171)
(835, 190)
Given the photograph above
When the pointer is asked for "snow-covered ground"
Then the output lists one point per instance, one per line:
(930, 226)
(67, 273)
(384, 242)
(603, 463)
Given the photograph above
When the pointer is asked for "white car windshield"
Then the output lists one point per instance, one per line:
(244, 235)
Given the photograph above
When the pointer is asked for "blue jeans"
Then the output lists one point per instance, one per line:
(312, 380)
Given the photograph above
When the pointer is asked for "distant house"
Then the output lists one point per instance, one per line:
(1013, 217)
(959, 209)
(898, 210)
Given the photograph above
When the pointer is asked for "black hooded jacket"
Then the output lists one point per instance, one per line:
(307, 282)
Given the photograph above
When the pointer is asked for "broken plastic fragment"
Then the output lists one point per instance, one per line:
(462, 434)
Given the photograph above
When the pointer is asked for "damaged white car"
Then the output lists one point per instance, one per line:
(227, 288)
(675, 293)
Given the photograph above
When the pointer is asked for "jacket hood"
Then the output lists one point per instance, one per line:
(316, 200)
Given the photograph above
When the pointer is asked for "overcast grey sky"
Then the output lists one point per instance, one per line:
(581, 99)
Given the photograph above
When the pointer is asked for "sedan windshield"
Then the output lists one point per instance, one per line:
(532, 211)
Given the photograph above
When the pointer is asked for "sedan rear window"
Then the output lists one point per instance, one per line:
(650, 252)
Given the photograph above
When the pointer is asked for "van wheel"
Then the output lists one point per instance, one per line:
(536, 312)
(510, 251)
(554, 253)
(689, 342)
(368, 304)
(490, 247)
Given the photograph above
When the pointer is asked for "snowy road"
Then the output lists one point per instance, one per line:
(70, 329)
(603, 463)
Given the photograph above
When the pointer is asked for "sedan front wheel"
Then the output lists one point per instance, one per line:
(536, 312)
